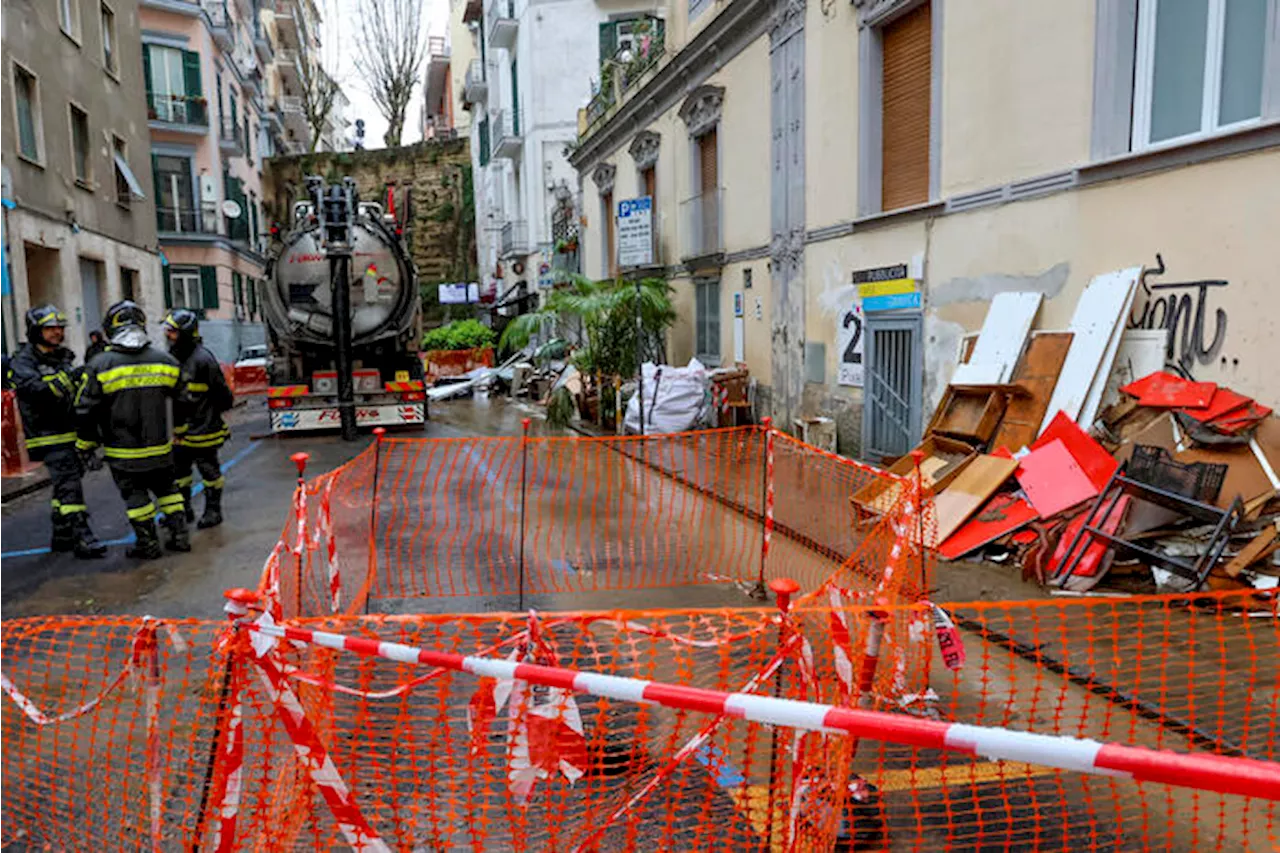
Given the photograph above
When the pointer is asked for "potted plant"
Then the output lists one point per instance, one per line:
(457, 348)
(567, 246)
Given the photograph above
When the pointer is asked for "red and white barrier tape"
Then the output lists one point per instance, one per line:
(324, 530)
(1223, 774)
(768, 497)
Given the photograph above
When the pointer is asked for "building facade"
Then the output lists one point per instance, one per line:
(534, 68)
(79, 210)
(437, 91)
(794, 148)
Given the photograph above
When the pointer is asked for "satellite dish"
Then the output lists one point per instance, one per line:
(231, 209)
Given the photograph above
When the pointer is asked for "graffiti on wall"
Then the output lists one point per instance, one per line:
(1184, 309)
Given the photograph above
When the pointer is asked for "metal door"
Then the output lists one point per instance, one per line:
(91, 295)
(891, 409)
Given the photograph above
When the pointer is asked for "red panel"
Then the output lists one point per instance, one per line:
(1092, 561)
(1225, 402)
(1097, 464)
(1165, 390)
(1053, 480)
(1003, 514)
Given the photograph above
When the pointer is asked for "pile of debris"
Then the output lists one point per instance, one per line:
(1075, 455)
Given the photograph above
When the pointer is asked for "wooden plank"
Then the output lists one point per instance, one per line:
(1004, 333)
(944, 459)
(1037, 374)
(971, 489)
(1263, 545)
(968, 414)
(1003, 514)
(1096, 326)
(975, 373)
(1093, 401)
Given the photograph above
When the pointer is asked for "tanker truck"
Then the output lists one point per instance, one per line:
(385, 307)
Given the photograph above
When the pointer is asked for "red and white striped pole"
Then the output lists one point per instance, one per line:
(1223, 774)
(767, 500)
(300, 513)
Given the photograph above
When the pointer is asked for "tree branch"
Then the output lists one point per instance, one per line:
(390, 47)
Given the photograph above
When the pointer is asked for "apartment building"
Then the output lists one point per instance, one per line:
(437, 91)
(79, 209)
(793, 149)
(533, 68)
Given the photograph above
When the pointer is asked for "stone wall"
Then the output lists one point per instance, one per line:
(433, 198)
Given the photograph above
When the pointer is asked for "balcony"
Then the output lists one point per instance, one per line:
(475, 88)
(515, 239)
(182, 220)
(219, 23)
(506, 132)
(182, 113)
(502, 24)
(290, 70)
(700, 216)
(286, 21)
(438, 127)
(231, 138)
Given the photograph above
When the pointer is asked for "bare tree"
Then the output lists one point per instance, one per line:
(390, 47)
(319, 93)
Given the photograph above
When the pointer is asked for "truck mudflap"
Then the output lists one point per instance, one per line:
(300, 419)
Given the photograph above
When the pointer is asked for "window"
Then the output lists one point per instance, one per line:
(109, 39)
(174, 92)
(30, 129)
(905, 109)
(610, 244)
(1198, 68)
(127, 186)
(69, 18)
(80, 149)
(184, 287)
(128, 283)
(175, 196)
(707, 320)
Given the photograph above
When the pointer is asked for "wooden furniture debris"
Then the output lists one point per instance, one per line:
(944, 459)
(1261, 546)
(971, 412)
(1003, 335)
(1036, 375)
(1002, 515)
(972, 488)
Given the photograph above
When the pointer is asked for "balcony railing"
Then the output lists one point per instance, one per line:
(219, 22)
(180, 220)
(515, 238)
(507, 133)
(475, 88)
(701, 217)
(438, 127)
(437, 48)
(502, 23)
(178, 109)
(231, 137)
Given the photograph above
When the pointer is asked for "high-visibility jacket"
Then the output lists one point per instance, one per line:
(45, 384)
(123, 404)
(197, 414)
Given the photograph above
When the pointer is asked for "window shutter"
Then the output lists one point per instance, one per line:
(191, 74)
(253, 298)
(146, 69)
(253, 222)
(515, 99)
(209, 287)
(908, 84)
(166, 278)
(608, 41)
(234, 109)
(708, 176)
(237, 289)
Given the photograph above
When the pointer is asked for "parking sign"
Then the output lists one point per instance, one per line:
(635, 232)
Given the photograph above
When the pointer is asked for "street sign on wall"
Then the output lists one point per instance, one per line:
(635, 232)
(887, 289)
(850, 341)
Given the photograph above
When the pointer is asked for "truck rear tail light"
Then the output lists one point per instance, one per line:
(279, 403)
(413, 396)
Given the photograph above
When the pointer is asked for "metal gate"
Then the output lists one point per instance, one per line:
(894, 379)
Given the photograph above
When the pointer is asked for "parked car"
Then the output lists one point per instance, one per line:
(255, 356)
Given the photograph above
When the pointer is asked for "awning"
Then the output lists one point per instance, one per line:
(135, 188)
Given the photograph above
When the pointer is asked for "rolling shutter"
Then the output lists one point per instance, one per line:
(908, 87)
(209, 288)
(707, 167)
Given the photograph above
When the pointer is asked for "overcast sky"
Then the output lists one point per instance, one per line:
(338, 52)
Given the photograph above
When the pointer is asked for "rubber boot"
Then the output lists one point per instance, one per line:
(186, 502)
(64, 534)
(179, 538)
(148, 545)
(87, 546)
(212, 509)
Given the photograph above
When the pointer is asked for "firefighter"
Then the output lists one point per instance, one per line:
(198, 429)
(123, 404)
(42, 375)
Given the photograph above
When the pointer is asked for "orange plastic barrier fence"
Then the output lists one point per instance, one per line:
(439, 760)
(556, 522)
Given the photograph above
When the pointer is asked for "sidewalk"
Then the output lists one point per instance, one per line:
(35, 478)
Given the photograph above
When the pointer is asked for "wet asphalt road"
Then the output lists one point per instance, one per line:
(260, 479)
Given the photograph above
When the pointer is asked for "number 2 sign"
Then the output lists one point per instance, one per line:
(849, 340)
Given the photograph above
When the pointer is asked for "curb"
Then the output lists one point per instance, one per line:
(35, 485)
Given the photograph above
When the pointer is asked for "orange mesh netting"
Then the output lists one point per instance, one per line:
(436, 759)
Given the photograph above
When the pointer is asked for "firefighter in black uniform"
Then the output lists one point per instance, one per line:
(42, 375)
(123, 404)
(198, 428)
